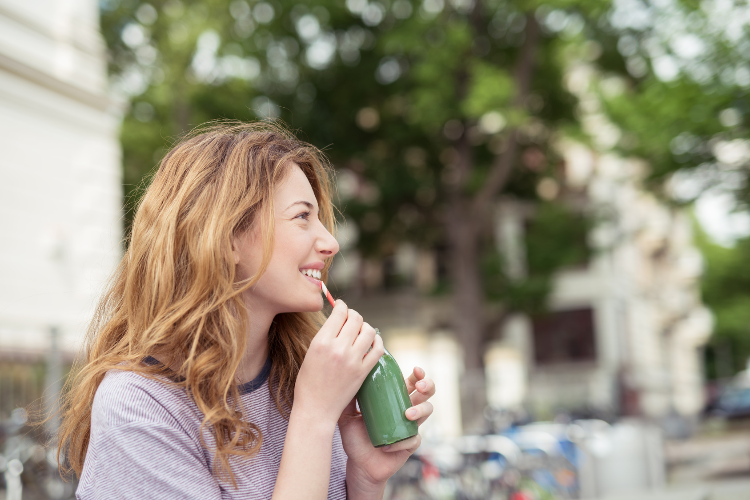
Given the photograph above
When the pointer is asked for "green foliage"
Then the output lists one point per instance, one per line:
(556, 238)
(726, 291)
(433, 89)
(680, 111)
(381, 107)
(491, 90)
(684, 92)
(448, 65)
(673, 109)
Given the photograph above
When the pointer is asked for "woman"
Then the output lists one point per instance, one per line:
(210, 371)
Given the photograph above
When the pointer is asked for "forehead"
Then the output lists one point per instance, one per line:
(295, 187)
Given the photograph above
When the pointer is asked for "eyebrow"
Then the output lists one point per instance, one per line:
(301, 202)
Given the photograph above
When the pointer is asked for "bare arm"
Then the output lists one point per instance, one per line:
(306, 461)
(368, 468)
(334, 368)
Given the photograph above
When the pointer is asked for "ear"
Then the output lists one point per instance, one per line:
(236, 245)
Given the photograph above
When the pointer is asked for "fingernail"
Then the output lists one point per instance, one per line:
(412, 412)
(386, 447)
(421, 385)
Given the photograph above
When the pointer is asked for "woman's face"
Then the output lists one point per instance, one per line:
(302, 244)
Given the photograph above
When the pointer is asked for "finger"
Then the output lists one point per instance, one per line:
(425, 390)
(350, 416)
(416, 375)
(416, 445)
(420, 412)
(365, 338)
(377, 351)
(352, 327)
(409, 445)
(335, 321)
(351, 409)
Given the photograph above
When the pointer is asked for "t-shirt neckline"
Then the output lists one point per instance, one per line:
(245, 388)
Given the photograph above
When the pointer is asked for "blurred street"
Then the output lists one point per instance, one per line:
(544, 205)
(589, 460)
(728, 489)
(708, 467)
(709, 458)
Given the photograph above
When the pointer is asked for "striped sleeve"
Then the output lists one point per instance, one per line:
(142, 446)
(139, 461)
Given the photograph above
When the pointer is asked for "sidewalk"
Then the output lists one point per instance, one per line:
(707, 467)
(709, 458)
(728, 489)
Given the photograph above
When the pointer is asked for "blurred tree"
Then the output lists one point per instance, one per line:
(432, 109)
(678, 90)
(679, 93)
(726, 290)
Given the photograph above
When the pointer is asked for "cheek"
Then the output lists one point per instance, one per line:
(249, 255)
(290, 250)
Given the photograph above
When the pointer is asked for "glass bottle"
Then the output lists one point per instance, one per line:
(383, 401)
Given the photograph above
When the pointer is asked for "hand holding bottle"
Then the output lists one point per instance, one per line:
(336, 363)
(368, 468)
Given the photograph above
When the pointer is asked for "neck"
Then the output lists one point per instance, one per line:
(256, 351)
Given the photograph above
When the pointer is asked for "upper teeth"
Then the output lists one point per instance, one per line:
(313, 273)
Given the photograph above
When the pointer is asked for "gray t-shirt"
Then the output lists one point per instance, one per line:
(145, 443)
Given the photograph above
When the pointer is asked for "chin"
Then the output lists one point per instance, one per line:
(309, 306)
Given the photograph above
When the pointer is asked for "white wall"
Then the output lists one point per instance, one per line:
(440, 356)
(60, 181)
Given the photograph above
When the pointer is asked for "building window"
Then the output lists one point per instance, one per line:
(564, 337)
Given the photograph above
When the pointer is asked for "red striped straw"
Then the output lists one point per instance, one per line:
(327, 294)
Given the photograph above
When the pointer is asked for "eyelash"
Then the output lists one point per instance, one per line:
(304, 215)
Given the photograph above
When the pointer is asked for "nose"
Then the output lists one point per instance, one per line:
(326, 244)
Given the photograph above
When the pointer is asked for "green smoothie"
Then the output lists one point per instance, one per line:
(383, 401)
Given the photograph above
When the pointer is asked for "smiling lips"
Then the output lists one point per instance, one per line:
(312, 273)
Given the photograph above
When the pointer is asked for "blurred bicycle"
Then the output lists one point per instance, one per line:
(27, 469)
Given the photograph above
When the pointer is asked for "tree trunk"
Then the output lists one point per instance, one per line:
(468, 288)
(464, 221)
(463, 238)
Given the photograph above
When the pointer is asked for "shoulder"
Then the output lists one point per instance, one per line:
(126, 397)
(144, 443)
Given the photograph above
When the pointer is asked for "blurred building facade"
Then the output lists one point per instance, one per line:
(61, 194)
(624, 332)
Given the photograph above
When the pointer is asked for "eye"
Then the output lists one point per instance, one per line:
(303, 215)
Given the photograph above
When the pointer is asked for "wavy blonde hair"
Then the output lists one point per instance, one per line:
(175, 294)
